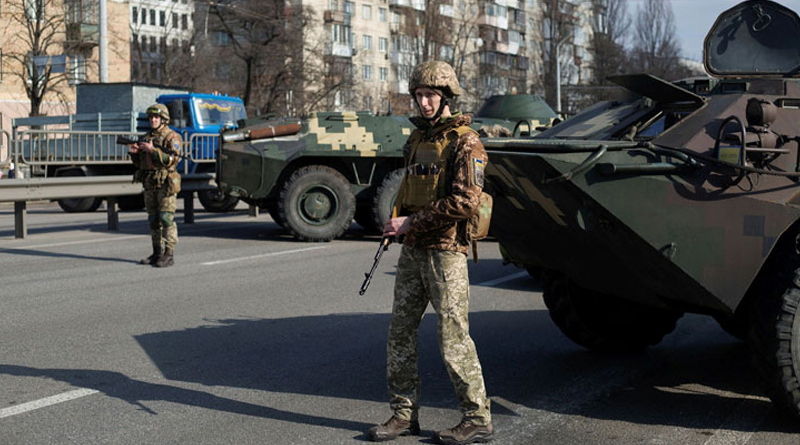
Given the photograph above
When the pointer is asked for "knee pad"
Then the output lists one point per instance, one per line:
(153, 221)
(166, 218)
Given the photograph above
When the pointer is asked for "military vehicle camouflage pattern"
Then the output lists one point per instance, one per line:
(634, 213)
(315, 175)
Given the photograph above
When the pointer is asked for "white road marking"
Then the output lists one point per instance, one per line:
(47, 401)
(497, 281)
(253, 257)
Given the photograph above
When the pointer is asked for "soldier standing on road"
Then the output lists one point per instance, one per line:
(156, 158)
(441, 190)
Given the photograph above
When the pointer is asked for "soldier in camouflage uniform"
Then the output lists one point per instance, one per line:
(156, 158)
(441, 189)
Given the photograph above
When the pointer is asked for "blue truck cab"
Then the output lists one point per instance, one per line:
(199, 118)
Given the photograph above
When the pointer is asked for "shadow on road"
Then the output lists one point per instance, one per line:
(686, 381)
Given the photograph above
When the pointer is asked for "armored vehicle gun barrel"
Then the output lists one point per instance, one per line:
(684, 199)
(262, 133)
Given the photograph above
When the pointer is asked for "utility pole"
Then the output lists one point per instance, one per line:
(103, 50)
(558, 72)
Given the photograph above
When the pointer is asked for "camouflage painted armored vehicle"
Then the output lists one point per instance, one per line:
(634, 213)
(315, 175)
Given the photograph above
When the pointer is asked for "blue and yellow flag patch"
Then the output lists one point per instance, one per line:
(478, 167)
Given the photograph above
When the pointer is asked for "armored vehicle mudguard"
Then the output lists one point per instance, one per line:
(316, 175)
(633, 213)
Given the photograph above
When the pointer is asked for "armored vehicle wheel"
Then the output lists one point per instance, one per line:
(602, 322)
(131, 202)
(774, 337)
(78, 205)
(316, 203)
(272, 209)
(217, 202)
(384, 198)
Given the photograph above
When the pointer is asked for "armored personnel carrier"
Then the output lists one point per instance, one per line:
(683, 199)
(315, 175)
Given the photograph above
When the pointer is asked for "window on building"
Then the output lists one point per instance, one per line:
(152, 44)
(221, 39)
(153, 17)
(366, 42)
(396, 17)
(162, 15)
(348, 8)
(383, 44)
(368, 103)
(175, 20)
(34, 10)
(382, 14)
(184, 22)
(77, 70)
(367, 72)
(333, 5)
(135, 15)
(144, 16)
(384, 74)
(341, 34)
(366, 12)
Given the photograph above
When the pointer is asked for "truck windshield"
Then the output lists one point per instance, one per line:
(219, 112)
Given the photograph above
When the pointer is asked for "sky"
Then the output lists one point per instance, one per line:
(693, 19)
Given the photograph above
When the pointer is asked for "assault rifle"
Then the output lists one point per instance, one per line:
(127, 140)
(385, 241)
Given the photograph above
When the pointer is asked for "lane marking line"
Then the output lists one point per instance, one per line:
(47, 401)
(496, 281)
(253, 257)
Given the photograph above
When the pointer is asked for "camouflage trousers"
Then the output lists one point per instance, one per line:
(438, 277)
(161, 208)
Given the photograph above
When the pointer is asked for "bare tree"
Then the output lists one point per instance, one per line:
(559, 18)
(42, 27)
(610, 28)
(656, 49)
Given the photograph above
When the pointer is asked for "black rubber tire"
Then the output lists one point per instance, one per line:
(131, 202)
(78, 205)
(384, 198)
(773, 331)
(316, 204)
(602, 322)
(272, 209)
(217, 202)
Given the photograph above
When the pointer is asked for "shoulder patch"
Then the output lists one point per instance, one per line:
(478, 166)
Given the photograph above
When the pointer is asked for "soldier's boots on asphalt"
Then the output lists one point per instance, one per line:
(465, 432)
(166, 259)
(152, 259)
(393, 428)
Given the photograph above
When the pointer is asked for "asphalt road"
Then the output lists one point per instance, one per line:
(253, 338)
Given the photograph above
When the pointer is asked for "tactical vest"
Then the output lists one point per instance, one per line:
(425, 178)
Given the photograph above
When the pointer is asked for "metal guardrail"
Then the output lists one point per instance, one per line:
(201, 148)
(20, 191)
(5, 143)
(69, 147)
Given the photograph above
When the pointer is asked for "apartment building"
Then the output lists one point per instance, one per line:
(70, 56)
(161, 32)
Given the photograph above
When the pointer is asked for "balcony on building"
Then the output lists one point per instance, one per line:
(339, 50)
(419, 5)
(81, 35)
(331, 16)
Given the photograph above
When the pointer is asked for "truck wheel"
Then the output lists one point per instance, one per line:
(602, 322)
(217, 202)
(78, 205)
(317, 204)
(384, 198)
(774, 337)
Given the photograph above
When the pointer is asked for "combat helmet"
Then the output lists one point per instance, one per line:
(158, 110)
(437, 75)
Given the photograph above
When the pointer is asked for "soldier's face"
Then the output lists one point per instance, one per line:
(155, 121)
(428, 100)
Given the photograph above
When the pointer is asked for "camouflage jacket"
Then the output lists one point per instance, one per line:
(153, 168)
(441, 225)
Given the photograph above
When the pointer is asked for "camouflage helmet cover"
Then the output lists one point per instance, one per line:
(158, 110)
(437, 75)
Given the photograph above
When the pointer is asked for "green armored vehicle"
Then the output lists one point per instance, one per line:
(315, 175)
(634, 213)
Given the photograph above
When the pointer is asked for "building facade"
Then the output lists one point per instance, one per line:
(161, 35)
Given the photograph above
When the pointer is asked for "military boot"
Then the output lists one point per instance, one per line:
(392, 428)
(465, 432)
(166, 259)
(152, 259)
